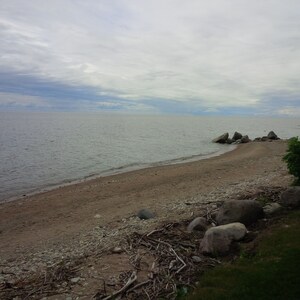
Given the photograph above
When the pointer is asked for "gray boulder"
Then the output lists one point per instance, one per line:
(217, 240)
(229, 141)
(236, 136)
(199, 224)
(272, 209)
(222, 138)
(272, 135)
(244, 211)
(145, 214)
(245, 139)
(290, 197)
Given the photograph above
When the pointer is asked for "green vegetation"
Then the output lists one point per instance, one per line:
(292, 158)
(271, 272)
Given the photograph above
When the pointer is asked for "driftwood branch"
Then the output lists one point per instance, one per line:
(131, 280)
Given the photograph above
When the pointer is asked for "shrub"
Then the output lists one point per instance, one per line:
(292, 157)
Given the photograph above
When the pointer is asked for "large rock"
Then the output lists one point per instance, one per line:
(145, 214)
(222, 138)
(272, 135)
(236, 136)
(244, 211)
(290, 197)
(199, 224)
(245, 139)
(272, 209)
(229, 141)
(217, 240)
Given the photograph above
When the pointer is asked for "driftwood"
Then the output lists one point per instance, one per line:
(130, 281)
(171, 249)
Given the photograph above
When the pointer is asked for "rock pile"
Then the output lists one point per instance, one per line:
(238, 138)
(228, 226)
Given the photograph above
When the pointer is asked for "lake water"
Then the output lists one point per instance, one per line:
(42, 150)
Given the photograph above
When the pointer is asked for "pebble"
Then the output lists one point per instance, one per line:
(75, 279)
(117, 250)
(196, 259)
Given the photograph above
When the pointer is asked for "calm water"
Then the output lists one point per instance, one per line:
(40, 150)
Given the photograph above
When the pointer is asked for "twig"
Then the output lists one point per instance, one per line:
(153, 231)
(138, 286)
(180, 259)
(131, 280)
(148, 296)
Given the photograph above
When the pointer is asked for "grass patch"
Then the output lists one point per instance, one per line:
(271, 273)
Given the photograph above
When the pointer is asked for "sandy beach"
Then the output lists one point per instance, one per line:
(79, 220)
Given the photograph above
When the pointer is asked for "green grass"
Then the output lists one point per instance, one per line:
(273, 272)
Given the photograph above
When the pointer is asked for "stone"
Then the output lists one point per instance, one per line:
(145, 214)
(222, 138)
(243, 211)
(272, 209)
(199, 224)
(290, 197)
(237, 136)
(217, 240)
(239, 141)
(272, 135)
(117, 250)
(229, 141)
(75, 279)
(197, 259)
(245, 139)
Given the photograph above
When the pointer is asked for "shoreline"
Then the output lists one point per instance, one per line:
(120, 170)
(88, 219)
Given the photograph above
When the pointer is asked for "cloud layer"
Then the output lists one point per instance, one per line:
(151, 56)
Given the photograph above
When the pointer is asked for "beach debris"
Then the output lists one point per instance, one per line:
(198, 224)
(272, 209)
(290, 197)
(145, 214)
(222, 138)
(217, 240)
(170, 259)
(244, 211)
(161, 271)
(131, 280)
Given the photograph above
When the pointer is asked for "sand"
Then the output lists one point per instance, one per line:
(79, 219)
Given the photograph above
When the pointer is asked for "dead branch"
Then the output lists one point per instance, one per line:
(130, 281)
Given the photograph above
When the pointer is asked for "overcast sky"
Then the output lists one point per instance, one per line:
(158, 56)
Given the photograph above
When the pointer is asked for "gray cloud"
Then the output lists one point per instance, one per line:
(212, 55)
